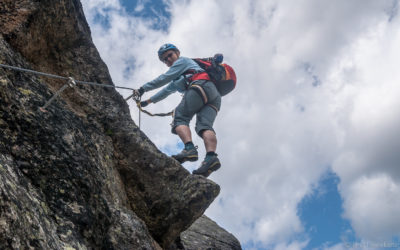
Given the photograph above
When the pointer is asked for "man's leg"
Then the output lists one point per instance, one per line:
(189, 105)
(211, 162)
(189, 153)
(204, 123)
(210, 140)
(184, 133)
(204, 128)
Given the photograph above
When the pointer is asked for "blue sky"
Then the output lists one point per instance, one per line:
(155, 10)
(321, 213)
(309, 138)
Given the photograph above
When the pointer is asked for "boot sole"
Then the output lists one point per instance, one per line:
(188, 158)
(214, 167)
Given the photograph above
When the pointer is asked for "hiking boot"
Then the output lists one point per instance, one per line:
(187, 155)
(208, 166)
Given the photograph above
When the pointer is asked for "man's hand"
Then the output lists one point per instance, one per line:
(145, 103)
(138, 92)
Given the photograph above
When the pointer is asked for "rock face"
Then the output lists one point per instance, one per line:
(206, 234)
(81, 175)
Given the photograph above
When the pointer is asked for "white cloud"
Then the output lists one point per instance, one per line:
(372, 203)
(317, 86)
(368, 161)
(99, 6)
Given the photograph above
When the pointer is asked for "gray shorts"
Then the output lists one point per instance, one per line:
(193, 104)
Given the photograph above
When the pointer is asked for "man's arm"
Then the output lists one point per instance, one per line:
(176, 85)
(177, 69)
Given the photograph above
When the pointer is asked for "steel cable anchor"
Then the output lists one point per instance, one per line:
(71, 83)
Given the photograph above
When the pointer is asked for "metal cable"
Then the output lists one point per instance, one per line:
(61, 77)
(71, 80)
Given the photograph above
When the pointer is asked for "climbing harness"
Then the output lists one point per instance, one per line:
(201, 92)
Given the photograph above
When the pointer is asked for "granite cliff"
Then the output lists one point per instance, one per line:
(82, 175)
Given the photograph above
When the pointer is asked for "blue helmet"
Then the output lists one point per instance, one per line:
(166, 47)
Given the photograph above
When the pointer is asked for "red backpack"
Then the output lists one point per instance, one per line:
(221, 74)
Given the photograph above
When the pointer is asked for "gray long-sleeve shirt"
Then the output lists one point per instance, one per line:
(174, 76)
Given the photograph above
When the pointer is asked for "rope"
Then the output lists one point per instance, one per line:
(136, 97)
(137, 100)
(150, 114)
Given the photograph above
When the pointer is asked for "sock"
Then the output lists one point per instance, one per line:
(189, 145)
(210, 154)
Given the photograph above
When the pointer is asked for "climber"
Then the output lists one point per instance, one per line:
(201, 98)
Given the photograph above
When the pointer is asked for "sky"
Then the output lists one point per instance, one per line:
(309, 140)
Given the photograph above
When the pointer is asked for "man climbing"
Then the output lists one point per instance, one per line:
(201, 98)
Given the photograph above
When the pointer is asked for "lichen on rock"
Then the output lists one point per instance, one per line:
(81, 175)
